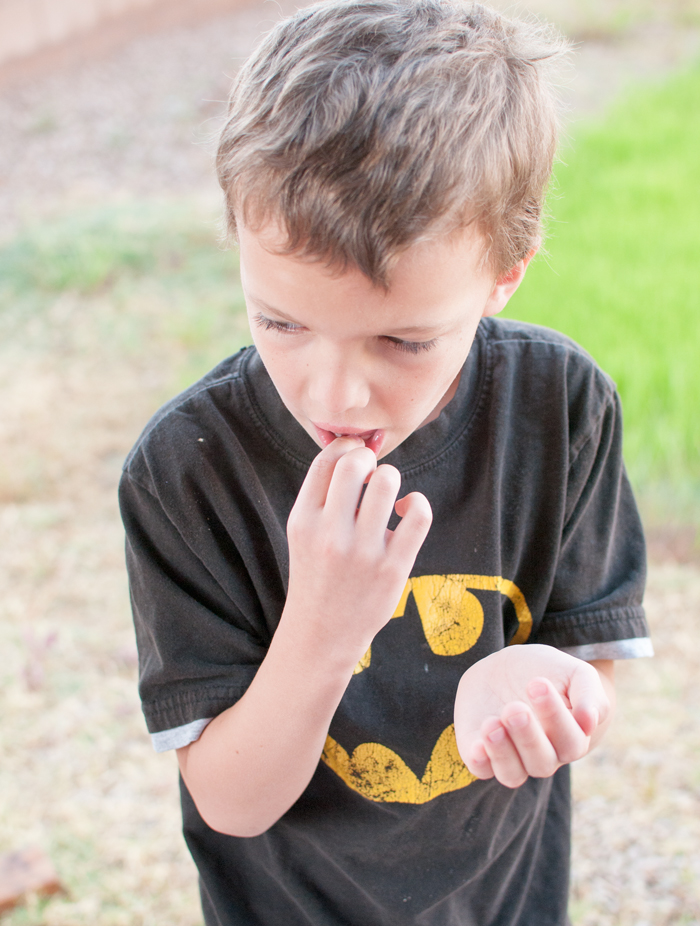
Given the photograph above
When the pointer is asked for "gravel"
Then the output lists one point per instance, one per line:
(140, 121)
(136, 123)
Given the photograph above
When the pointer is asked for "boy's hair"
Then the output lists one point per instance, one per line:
(364, 126)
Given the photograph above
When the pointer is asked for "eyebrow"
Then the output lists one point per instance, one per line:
(409, 331)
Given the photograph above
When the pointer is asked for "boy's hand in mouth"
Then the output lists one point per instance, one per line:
(372, 438)
(347, 569)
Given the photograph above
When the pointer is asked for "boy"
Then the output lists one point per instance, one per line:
(359, 742)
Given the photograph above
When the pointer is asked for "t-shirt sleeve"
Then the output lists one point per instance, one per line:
(199, 643)
(595, 604)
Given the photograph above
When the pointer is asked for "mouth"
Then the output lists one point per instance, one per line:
(372, 439)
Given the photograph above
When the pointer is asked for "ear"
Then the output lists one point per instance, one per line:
(506, 285)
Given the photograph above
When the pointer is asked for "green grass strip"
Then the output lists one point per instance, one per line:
(622, 276)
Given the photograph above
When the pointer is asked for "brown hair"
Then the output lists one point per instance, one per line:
(363, 126)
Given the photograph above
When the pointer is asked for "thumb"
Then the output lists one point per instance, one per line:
(589, 703)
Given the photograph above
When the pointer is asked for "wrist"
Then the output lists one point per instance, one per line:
(319, 642)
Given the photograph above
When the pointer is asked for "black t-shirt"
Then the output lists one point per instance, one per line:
(535, 538)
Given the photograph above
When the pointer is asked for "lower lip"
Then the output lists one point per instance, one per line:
(372, 439)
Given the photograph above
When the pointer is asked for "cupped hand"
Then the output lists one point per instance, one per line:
(526, 711)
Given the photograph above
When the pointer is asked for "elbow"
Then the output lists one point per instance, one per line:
(228, 816)
(224, 807)
(242, 832)
(240, 825)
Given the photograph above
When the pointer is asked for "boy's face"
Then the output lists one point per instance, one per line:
(349, 358)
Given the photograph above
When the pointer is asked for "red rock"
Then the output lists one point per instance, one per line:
(25, 871)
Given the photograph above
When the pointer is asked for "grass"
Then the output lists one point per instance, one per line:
(614, 20)
(621, 278)
(150, 276)
(105, 313)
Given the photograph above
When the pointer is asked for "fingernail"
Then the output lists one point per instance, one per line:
(537, 690)
(497, 735)
(517, 721)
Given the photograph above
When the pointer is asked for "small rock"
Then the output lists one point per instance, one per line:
(27, 870)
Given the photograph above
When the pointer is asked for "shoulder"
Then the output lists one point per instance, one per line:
(529, 341)
(201, 414)
(541, 370)
(195, 400)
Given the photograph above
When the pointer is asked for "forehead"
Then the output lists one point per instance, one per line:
(428, 284)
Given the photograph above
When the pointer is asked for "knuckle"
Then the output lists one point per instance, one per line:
(482, 772)
(570, 752)
(332, 548)
(513, 780)
(481, 762)
(422, 518)
(352, 464)
(321, 465)
(543, 769)
(572, 755)
(386, 478)
(388, 474)
(295, 525)
(421, 512)
(528, 743)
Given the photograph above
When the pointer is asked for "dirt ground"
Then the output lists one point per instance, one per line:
(78, 775)
(140, 119)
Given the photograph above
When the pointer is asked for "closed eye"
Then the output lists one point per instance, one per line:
(411, 347)
(269, 324)
(407, 347)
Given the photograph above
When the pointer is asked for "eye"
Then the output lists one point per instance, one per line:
(269, 324)
(411, 347)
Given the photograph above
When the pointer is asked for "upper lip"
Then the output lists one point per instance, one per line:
(338, 429)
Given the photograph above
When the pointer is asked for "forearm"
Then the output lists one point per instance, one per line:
(346, 574)
(255, 759)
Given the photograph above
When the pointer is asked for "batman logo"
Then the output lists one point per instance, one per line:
(452, 618)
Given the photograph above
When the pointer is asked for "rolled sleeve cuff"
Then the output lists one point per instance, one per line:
(635, 648)
(178, 737)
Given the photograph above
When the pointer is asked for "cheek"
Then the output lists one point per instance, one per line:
(283, 372)
(415, 393)
(287, 377)
(436, 380)
(442, 370)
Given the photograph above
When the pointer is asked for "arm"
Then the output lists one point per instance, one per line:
(347, 572)
(527, 710)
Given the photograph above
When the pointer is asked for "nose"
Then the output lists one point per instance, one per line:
(338, 381)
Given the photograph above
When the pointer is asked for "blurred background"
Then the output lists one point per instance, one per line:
(114, 294)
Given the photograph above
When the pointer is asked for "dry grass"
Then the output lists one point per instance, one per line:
(78, 774)
(78, 380)
(637, 821)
